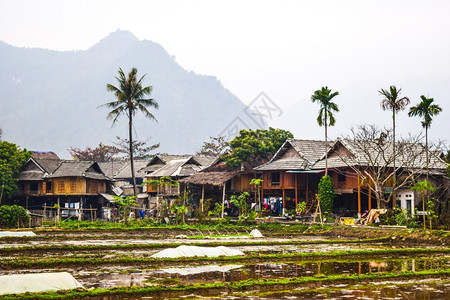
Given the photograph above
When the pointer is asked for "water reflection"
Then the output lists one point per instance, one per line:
(232, 273)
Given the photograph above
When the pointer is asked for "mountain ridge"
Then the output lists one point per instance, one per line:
(52, 97)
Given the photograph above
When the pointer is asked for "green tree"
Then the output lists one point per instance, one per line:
(326, 194)
(324, 98)
(256, 146)
(257, 182)
(12, 216)
(241, 203)
(161, 184)
(423, 187)
(394, 103)
(125, 204)
(130, 99)
(426, 110)
(11, 160)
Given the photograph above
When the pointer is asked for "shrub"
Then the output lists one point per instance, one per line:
(397, 216)
(11, 216)
(326, 194)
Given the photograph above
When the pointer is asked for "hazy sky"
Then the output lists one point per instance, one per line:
(286, 49)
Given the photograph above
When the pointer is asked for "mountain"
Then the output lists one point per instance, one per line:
(50, 99)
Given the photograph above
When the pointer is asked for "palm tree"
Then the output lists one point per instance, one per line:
(392, 102)
(130, 99)
(425, 110)
(326, 117)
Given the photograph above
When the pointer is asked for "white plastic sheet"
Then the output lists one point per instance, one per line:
(38, 282)
(17, 233)
(192, 251)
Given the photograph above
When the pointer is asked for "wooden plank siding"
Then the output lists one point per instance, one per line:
(77, 186)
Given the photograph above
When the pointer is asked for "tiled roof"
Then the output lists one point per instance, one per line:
(125, 171)
(372, 154)
(307, 152)
(71, 168)
(178, 167)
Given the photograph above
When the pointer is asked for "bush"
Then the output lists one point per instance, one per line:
(397, 216)
(11, 216)
(326, 194)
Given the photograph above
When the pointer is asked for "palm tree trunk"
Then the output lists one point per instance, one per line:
(326, 146)
(130, 134)
(426, 149)
(395, 171)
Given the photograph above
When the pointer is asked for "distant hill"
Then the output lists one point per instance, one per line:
(49, 98)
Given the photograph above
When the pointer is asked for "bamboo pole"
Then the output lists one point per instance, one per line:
(223, 198)
(359, 197)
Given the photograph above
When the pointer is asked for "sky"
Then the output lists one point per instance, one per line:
(286, 49)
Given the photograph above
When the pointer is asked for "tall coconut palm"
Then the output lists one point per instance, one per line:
(426, 110)
(326, 118)
(130, 99)
(394, 103)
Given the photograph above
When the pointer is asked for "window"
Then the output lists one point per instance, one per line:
(275, 178)
(341, 177)
(48, 188)
(61, 187)
(73, 185)
(34, 187)
(398, 203)
(409, 206)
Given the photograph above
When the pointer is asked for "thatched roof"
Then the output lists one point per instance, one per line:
(217, 174)
(44, 155)
(209, 178)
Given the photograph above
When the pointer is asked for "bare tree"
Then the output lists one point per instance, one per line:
(371, 156)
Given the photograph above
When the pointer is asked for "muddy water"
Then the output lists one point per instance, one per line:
(415, 290)
(233, 273)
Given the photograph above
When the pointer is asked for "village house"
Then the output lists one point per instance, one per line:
(70, 185)
(351, 162)
(288, 178)
(218, 181)
(175, 168)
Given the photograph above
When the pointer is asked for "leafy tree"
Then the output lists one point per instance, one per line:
(256, 146)
(11, 160)
(161, 184)
(423, 187)
(326, 118)
(241, 203)
(130, 99)
(101, 153)
(426, 110)
(125, 204)
(11, 215)
(257, 182)
(326, 194)
(394, 103)
(216, 146)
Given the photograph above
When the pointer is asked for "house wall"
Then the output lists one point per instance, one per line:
(242, 183)
(77, 186)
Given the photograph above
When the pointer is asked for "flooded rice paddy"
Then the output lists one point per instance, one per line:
(280, 266)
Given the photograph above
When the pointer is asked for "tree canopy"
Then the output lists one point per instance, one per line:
(11, 160)
(256, 146)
